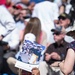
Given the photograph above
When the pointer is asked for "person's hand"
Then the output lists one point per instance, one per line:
(31, 6)
(47, 56)
(61, 64)
(56, 21)
(6, 47)
(55, 64)
(1, 38)
(55, 55)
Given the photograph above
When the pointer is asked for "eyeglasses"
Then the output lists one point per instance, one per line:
(56, 33)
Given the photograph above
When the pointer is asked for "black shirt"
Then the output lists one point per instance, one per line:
(60, 49)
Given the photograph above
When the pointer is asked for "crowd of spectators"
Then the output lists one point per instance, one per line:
(50, 21)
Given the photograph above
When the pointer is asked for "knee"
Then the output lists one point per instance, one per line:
(11, 60)
(1, 50)
(42, 64)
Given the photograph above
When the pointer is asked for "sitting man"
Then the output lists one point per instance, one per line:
(66, 21)
(8, 34)
(55, 53)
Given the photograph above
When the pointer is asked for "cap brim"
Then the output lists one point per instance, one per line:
(65, 17)
(61, 17)
(53, 30)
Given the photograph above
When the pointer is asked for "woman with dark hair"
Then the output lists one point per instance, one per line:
(67, 65)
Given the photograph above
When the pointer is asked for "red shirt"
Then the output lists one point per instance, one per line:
(2, 2)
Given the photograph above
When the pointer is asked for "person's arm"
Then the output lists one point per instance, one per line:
(57, 57)
(67, 65)
(6, 21)
(34, 12)
(1, 37)
(56, 12)
(43, 39)
(9, 25)
(55, 64)
(61, 9)
(47, 57)
(13, 39)
(53, 55)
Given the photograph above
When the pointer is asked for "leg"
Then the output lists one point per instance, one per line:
(56, 70)
(11, 63)
(1, 58)
(43, 67)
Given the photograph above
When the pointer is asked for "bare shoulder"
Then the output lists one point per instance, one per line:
(44, 39)
(44, 33)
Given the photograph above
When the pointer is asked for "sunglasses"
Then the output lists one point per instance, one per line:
(63, 18)
(56, 33)
(26, 17)
(15, 7)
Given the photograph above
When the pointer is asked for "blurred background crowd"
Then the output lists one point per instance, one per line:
(39, 17)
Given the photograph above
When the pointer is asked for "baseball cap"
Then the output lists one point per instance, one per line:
(64, 16)
(30, 36)
(20, 6)
(59, 29)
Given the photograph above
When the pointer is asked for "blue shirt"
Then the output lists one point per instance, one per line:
(72, 45)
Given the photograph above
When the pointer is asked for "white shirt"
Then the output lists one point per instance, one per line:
(68, 38)
(8, 28)
(68, 7)
(47, 12)
(20, 25)
(7, 23)
(59, 2)
(13, 39)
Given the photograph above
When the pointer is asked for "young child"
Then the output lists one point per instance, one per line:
(35, 71)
